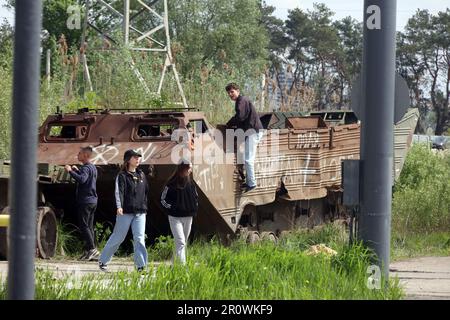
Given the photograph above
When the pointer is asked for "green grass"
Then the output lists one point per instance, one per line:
(421, 206)
(240, 271)
(420, 245)
(421, 201)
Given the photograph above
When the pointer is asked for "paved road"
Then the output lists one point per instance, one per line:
(424, 278)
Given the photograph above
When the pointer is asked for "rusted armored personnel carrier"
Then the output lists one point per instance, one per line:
(298, 166)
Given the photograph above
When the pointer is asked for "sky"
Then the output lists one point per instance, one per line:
(354, 8)
(5, 13)
(341, 8)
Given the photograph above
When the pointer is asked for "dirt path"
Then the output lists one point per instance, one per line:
(424, 278)
(75, 268)
(421, 278)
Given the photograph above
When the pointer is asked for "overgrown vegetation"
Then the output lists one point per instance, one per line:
(321, 57)
(421, 204)
(303, 63)
(285, 271)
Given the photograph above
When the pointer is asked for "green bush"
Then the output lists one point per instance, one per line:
(5, 110)
(68, 241)
(163, 249)
(102, 234)
(421, 201)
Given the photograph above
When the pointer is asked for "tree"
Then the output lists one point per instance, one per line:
(218, 34)
(277, 35)
(299, 34)
(317, 59)
(348, 56)
(6, 49)
(324, 50)
(442, 26)
(54, 20)
(424, 60)
(6, 41)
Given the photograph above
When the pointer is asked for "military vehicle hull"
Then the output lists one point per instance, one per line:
(298, 167)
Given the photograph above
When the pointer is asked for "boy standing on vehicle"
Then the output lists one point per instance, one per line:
(247, 119)
(86, 200)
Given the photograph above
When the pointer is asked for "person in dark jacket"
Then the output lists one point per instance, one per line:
(86, 200)
(131, 190)
(180, 199)
(247, 119)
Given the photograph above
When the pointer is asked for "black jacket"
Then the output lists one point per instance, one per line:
(131, 191)
(246, 116)
(180, 201)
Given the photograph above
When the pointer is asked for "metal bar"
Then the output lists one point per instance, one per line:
(127, 18)
(145, 35)
(169, 53)
(137, 14)
(163, 74)
(139, 76)
(24, 150)
(126, 22)
(141, 33)
(99, 31)
(151, 10)
(140, 109)
(85, 24)
(99, 13)
(130, 28)
(149, 49)
(83, 59)
(86, 72)
(48, 67)
(183, 97)
(377, 128)
(110, 8)
(166, 27)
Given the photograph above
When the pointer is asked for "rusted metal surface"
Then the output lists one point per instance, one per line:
(403, 139)
(304, 167)
(110, 135)
(298, 165)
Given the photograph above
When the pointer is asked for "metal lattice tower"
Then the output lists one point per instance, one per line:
(132, 37)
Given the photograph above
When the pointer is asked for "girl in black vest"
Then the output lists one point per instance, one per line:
(131, 190)
(180, 198)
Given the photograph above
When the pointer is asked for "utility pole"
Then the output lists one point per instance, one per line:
(22, 237)
(48, 68)
(377, 139)
(133, 37)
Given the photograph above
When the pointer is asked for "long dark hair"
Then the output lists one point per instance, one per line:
(124, 166)
(176, 180)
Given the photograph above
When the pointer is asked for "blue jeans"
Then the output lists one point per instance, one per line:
(123, 222)
(251, 142)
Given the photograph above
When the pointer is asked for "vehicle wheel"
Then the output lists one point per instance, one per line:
(253, 237)
(269, 236)
(251, 214)
(46, 232)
